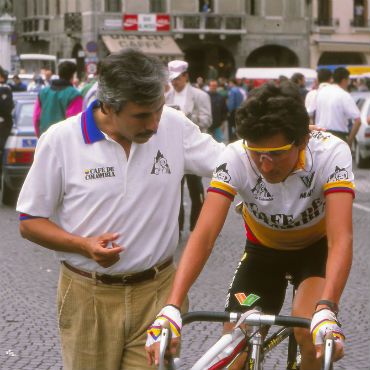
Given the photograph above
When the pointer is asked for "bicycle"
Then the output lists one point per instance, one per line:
(224, 352)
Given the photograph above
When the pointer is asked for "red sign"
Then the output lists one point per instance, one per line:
(163, 22)
(146, 22)
(130, 22)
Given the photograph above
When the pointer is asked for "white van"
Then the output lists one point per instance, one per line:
(35, 63)
(261, 75)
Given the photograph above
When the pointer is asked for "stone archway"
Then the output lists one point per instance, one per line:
(201, 56)
(337, 57)
(272, 56)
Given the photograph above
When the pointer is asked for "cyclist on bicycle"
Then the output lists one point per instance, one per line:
(298, 192)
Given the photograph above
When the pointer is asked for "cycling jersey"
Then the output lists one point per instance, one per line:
(290, 214)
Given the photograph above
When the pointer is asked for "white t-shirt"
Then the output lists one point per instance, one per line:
(334, 108)
(290, 214)
(82, 179)
(179, 98)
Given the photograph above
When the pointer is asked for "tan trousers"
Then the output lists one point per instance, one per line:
(104, 326)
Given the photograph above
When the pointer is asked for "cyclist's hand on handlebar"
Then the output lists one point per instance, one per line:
(323, 322)
(103, 250)
(173, 316)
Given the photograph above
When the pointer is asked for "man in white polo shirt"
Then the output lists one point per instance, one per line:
(104, 193)
(335, 107)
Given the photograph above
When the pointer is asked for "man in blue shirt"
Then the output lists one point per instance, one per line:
(235, 99)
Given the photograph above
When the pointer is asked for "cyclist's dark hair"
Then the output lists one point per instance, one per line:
(66, 70)
(271, 109)
(339, 74)
(131, 75)
(324, 75)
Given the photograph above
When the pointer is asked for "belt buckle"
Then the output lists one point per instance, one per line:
(125, 279)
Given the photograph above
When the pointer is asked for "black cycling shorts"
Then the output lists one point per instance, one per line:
(260, 278)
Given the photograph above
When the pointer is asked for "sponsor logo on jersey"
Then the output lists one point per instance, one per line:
(222, 173)
(319, 135)
(307, 180)
(99, 173)
(247, 301)
(260, 191)
(160, 165)
(339, 174)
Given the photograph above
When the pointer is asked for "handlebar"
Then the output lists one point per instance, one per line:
(254, 319)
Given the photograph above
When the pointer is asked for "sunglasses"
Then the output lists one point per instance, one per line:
(272, 154)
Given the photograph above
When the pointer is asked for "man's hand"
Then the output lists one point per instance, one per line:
(323, 322)
(316, 128)
(173, 316)
(103, 250)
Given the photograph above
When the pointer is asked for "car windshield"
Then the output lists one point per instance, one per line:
(24, 115)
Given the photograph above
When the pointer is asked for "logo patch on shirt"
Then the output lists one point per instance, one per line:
(339, 174)
(222, 173)
(247, 301)
(99, 173)
(319, 135)
(307, 180)
(160, 165)
(260, 191)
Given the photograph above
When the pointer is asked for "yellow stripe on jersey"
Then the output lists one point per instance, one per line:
(223, 188)
(285, 239)
(339, 186)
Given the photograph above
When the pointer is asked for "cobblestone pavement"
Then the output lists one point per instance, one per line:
(28, 329)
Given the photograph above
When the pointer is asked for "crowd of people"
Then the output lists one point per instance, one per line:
(118, 151)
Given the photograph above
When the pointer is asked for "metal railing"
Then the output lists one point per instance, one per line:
(327, 22)
(209, 23)
(360, 23)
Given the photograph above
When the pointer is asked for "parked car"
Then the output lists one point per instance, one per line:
(19, 148)
(361, 145)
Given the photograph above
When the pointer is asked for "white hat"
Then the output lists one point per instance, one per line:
(176, 67)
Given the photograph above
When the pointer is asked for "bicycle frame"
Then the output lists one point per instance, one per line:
(237, 336)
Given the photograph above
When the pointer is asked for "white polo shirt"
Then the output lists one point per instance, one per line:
(82, 179)
(290, 214)
(334, 108)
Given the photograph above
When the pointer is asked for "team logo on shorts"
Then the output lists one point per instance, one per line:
(222, 174)
(247, 301)
(160, 165)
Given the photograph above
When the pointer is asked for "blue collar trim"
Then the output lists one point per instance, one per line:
(90, 131)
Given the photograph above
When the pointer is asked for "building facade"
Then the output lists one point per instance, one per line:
(340, 32)
(224, 33)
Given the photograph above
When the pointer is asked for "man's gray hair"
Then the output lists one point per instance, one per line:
(130, 76)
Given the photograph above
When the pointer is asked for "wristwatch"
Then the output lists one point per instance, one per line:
(332, 305)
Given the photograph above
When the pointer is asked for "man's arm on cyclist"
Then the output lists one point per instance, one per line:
(194, 257)
(339, 234)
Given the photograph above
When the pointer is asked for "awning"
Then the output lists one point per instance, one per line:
(150, 44)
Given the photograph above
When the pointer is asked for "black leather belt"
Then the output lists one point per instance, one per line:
(125, 279)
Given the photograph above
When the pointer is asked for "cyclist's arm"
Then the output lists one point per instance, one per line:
(199, 246)
(339, 234)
